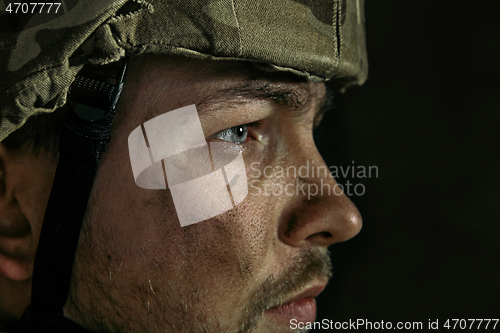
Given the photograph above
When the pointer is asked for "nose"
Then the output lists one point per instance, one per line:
(319, 213)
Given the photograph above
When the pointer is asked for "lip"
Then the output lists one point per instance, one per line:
(301, 307)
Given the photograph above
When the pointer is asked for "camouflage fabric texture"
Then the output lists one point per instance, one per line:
(41, 53)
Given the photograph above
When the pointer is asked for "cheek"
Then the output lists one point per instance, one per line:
(140, 228)
(229, 247)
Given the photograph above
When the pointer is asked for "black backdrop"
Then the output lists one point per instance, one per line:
(428, 117)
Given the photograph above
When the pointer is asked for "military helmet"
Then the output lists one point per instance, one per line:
(41, 53)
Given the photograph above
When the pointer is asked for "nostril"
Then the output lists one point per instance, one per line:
(323, 234)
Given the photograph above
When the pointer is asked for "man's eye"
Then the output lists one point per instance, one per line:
(235, 134)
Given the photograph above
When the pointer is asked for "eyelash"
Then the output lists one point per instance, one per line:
(255, 124)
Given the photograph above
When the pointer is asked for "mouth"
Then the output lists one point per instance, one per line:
(301, 307)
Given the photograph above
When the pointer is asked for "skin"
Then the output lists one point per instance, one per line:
(137, 270)
(25, 182)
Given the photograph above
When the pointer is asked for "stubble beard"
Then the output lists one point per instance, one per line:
(103, 304)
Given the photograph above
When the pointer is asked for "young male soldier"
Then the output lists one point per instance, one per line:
(254, 73)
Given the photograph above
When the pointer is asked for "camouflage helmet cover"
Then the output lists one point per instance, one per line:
(320, 40)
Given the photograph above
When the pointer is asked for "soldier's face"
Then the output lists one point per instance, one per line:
(252, 268)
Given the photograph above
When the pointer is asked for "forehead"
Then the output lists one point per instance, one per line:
(158, 84)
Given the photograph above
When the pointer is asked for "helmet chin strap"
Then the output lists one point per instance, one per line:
(85, 133)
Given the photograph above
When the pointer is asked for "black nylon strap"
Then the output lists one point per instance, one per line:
(31, 322)
(81, 147)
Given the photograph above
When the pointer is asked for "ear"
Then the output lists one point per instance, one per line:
(16, 239)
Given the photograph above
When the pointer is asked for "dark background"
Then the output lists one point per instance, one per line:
(429, 118)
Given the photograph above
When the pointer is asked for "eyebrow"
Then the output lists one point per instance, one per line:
(296, 99)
